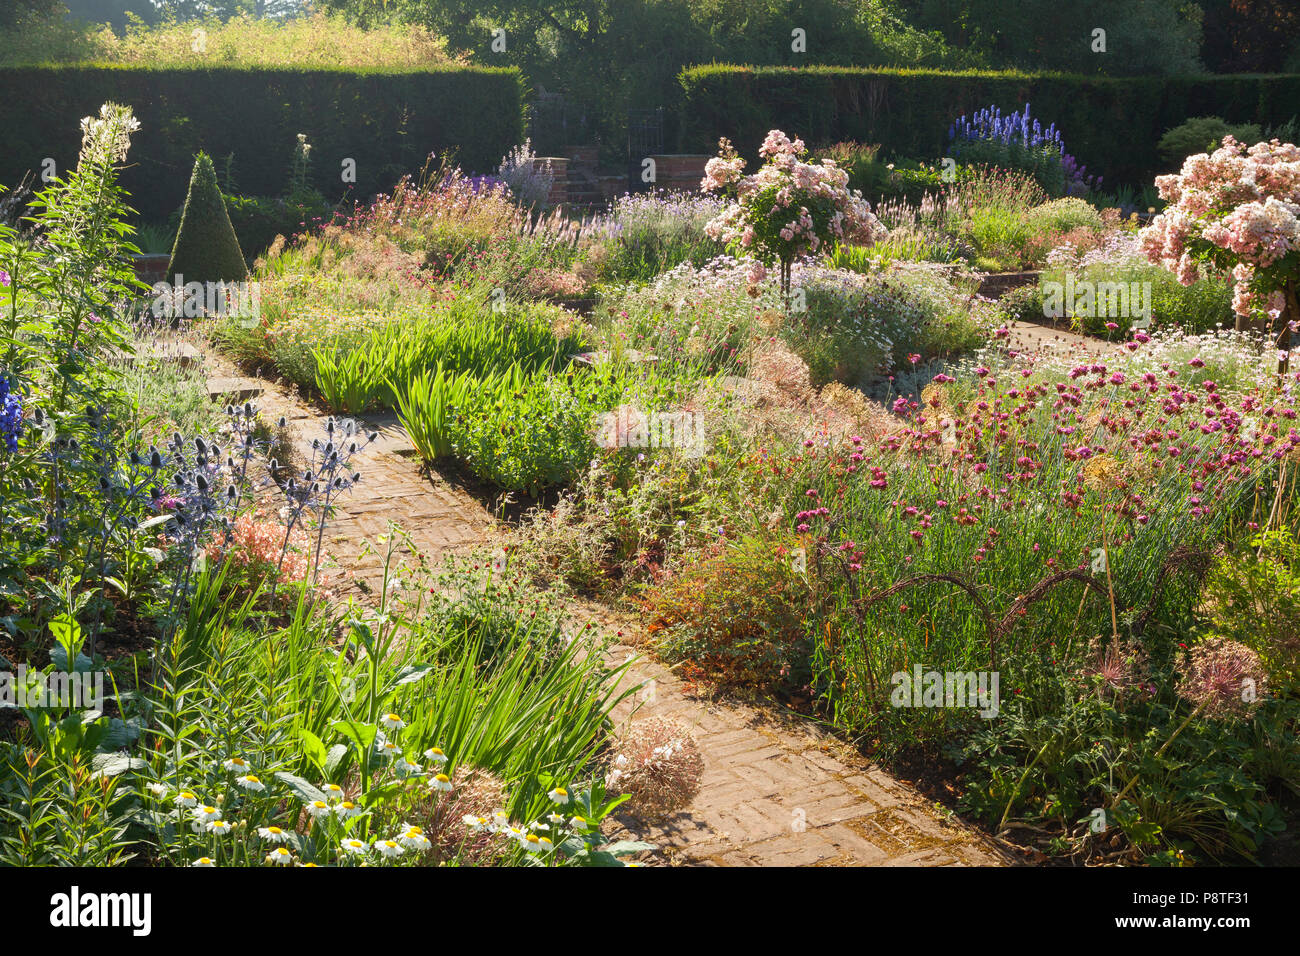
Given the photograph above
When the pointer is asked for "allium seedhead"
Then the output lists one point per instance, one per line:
(1223, 678)
(282, 423)
(659, 764)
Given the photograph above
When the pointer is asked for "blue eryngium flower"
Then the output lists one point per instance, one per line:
(11, 415)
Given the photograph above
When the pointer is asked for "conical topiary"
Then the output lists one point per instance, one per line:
(206, 249)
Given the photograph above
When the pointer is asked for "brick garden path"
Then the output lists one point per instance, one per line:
(776, 791)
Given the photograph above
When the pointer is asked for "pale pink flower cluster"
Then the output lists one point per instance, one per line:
(255, 546)
(797, 185)
(1236, 202)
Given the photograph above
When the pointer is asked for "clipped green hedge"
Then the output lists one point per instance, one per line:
(388, 121)
(1111, 124)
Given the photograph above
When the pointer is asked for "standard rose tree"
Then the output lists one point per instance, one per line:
(1237, 209)
(786, 209)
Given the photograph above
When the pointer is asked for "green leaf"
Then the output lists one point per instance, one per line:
(303, 790)
(110, 765)
(362, 734)
(412, 673)
(623, 847)
(335, 758)
(312, 747)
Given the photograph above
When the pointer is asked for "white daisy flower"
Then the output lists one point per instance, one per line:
(559, 795)
(251, 781)
(206, 814)
(332, 791)
(435, 755)
(237, 764)
(556, 819)
(389, 848)
(577, 822)
(318, 809)
(536, 844)
(476, 823)
(203, 861)
(414, 839)
(392, 722)
(354, 846)
(274, 834)
(221, 827)
(387, 748)
(158, 790)
(279, 856)
(440, 781)
(186, 799)
(347, 809)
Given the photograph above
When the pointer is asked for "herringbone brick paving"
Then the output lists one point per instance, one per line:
(775, 792)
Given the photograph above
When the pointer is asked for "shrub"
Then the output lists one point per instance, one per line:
(1112, 123)
(645, 234)
(1202, 134)
(409, 112)
(1064, 215)
(206, 249)
(1254, 598)
(735, 613)
(528, 182)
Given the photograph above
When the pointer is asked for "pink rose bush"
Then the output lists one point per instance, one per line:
(1237, 209)
(788, 208)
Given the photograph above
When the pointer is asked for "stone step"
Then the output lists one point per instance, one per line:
(233, 389)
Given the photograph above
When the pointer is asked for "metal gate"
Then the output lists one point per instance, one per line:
(645, 137)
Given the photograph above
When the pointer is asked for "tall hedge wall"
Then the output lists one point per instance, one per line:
(1110, 124)
(388, 121)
